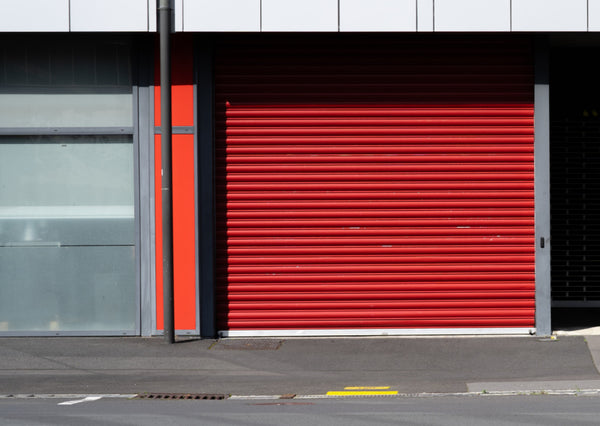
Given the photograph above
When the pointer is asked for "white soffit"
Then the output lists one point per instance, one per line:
(378, 15)
(300, 15)
(424, 15)
(549, 15)
(109, 15)
(222, 15)
(178, 15)
(594, 15)
(472, 15)
(152, 15)
(34, 15)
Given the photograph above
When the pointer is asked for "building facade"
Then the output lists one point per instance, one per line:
(340, 167)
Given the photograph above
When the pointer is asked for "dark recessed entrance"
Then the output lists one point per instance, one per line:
(575, 187)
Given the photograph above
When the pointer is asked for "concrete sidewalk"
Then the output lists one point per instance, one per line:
(311, 366)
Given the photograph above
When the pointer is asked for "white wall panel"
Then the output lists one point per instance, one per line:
(425, 15)
(222, 15)
(299, 15)
(378, 15)
(549, 15)
(594, 15)
(472, 15)
(152, 15)
(178, 15)
(34, 15)
(109, 15)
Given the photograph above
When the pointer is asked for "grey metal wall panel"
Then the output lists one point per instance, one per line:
(206, 185)
(542, 189)
(145, 123)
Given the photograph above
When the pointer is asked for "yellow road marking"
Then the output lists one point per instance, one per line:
(361, 393)
(366, 387)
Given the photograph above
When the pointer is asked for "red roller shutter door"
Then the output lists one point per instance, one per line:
(373, 184)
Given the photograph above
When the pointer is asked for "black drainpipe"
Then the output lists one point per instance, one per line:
(165, 12)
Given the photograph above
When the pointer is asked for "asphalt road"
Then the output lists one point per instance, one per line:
(466, 410)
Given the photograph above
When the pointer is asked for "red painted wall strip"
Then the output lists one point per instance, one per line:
(184, 252)
(182, 75)
(184, 235)
(159, 240)
(184, 238)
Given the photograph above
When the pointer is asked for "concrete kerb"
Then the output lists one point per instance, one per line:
(65, 396)
(563, 392)
(283, 397)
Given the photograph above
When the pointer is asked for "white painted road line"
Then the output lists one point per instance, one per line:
(77, 401)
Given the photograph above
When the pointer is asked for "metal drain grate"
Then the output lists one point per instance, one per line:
(180, 396)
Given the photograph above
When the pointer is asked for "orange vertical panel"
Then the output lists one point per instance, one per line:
(184, 234)
(183, 77)
(159, 244)
(182, 88)
(184, 251)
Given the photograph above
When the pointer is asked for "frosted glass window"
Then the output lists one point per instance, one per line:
(65, 110)
(67, 201)
(90, 170)
(67, 234)
(59, 84)
(58, 289)
(66, 190)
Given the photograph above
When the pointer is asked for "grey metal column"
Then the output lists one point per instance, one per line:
(146, 184)
(165, 10)
(206, 184)
(542, 188)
